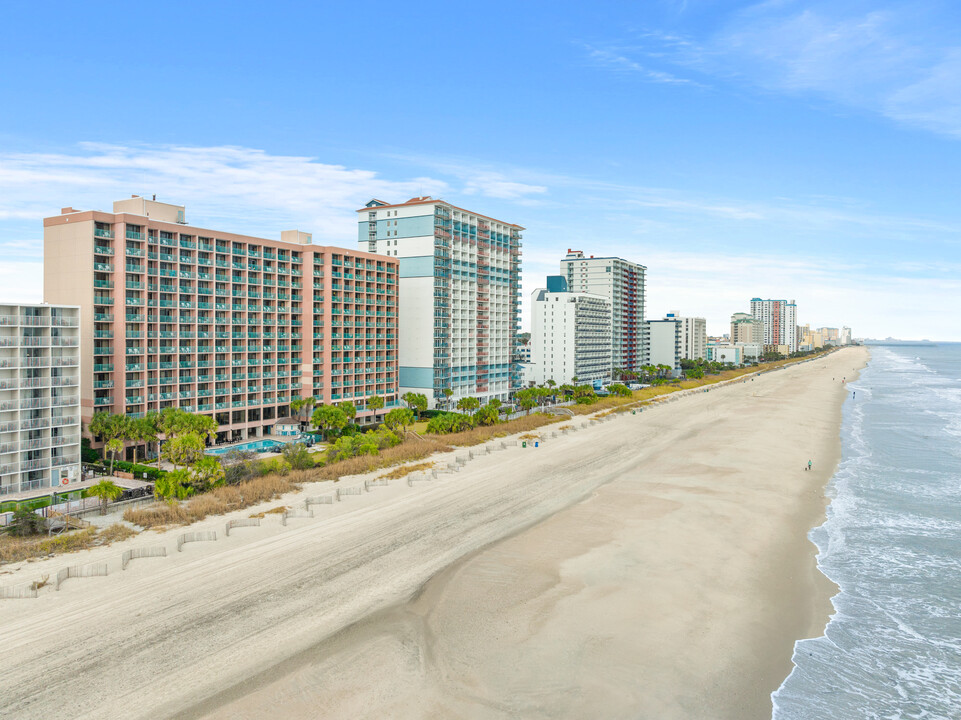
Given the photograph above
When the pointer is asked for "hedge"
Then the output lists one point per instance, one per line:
(135, 468)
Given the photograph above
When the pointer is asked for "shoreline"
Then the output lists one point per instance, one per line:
(387, 554)
(827, 588)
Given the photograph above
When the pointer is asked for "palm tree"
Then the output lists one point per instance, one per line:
(106, 490)
(448, 392)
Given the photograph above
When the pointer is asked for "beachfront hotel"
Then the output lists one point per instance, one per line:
(570, 335)
(779, 318)
(217, 323)
(745, 328)
(39, 397)
(693, 336)
(664, 343)
(459, 307)
(621, 282)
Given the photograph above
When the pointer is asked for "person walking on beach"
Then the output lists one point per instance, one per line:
(809, 464)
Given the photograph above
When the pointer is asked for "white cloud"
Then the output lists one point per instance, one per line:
(237, 188)
(253, 192)
(617, 60)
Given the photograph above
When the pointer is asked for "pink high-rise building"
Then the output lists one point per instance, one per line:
(217, 323)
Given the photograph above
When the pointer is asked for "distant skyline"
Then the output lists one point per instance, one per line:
(771, 149)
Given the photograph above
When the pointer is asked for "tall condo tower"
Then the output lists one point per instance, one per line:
(693, 336)
(39, 397)
(459, 307)
(217, 323)
(621, 282)
(570, 335)
(780, 321)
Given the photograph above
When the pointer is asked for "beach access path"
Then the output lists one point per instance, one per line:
(654, 565)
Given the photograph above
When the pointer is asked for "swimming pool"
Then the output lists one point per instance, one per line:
(253, 445)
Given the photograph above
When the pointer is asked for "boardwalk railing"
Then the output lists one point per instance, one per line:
(241, 522)
(201, 536)
(142, 552)
(76, 571)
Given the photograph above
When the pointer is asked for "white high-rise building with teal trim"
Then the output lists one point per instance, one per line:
(458, 304)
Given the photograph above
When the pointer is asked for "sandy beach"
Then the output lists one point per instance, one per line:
(656, 565)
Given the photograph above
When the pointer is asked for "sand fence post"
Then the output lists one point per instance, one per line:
(292, 513)
(75, 571)
(241, 522)
(200, 536)
(141, 552)
(18, 592)
(319, 500)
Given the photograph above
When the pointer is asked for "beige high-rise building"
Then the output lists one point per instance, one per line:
(745, 328)
(218, 323)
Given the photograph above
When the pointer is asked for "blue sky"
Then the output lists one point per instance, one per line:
(805, 150)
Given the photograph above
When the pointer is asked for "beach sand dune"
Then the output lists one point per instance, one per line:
(653, 566)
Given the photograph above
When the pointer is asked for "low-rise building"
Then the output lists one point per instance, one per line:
(733, 354)
(39, 397)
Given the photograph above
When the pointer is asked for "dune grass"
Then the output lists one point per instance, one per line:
(218, 501)
(408, 451)
(405, 470)
(17, 549)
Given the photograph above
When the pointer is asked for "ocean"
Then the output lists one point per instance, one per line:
(892, 542)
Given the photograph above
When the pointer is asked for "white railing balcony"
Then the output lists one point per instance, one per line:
(64, 420)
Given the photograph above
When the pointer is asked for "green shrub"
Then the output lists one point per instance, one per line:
(450, 423)
(87, 453)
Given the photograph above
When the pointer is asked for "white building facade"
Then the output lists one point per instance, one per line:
(459, 311)
(664, 343)
(39, 396)
(623, 283)
(693, 336)
(570, 338)
(733, 354)
(780, 321)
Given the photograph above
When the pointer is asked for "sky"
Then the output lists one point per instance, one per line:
(779, 149)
